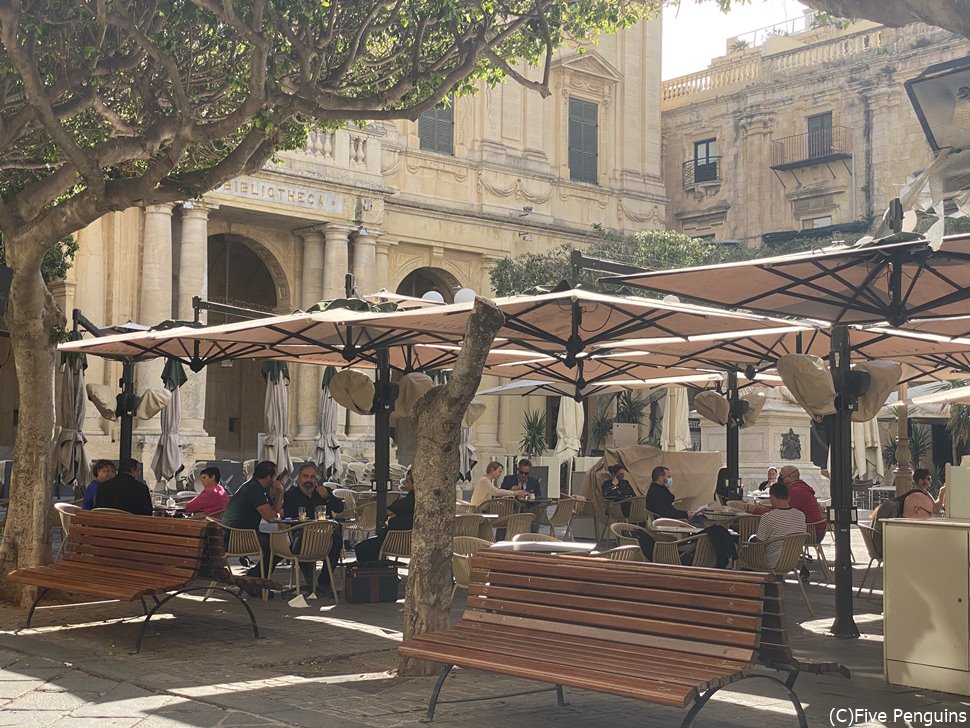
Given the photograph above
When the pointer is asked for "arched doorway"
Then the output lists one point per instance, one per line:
(421, 280)
(234, 392)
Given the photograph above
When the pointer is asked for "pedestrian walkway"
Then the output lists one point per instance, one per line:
(334, 666)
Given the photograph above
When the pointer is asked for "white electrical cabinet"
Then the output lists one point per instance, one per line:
(927, 603)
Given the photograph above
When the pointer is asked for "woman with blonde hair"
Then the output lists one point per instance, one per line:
(485, 488)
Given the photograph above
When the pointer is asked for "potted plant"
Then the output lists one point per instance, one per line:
(533, 442)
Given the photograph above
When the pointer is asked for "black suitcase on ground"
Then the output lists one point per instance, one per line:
(372, 582)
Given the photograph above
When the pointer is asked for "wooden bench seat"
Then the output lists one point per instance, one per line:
(668, 635)
(128, 558)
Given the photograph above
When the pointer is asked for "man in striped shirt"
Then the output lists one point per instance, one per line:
(781, 521)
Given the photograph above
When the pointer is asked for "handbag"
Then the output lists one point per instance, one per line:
(374, 581)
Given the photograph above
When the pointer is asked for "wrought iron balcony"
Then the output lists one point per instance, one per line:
(697, 171)
(814, 147)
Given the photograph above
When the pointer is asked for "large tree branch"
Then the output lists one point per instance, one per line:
(953, 15)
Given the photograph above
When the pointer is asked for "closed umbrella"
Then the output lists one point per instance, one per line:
(468, 454)
(276, 445)
(327, 452)
(167, 461)
(72, 463)
(867, 461)
(569, 428)
(675, 428)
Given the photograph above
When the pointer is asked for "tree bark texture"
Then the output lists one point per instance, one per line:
(437, 420)
(32, 317)
(947, 14)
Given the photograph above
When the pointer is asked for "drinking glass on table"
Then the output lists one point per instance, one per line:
(301, 513)
(321, 513)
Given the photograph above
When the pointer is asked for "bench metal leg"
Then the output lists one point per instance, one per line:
(560, 699)
(160, 604)
(701, 700)
(30, 614)
(437, 689)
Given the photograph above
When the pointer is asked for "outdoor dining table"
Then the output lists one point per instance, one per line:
(545, 547)
(168, 511)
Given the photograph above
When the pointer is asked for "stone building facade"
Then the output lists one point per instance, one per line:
(407, 206)
(803, 131)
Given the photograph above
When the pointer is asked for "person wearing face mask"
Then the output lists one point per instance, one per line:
(659, 498)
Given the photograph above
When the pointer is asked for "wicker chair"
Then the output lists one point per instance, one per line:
(751, 556)
(671, 552)
(874, 558)
(622, 553)
(499, 506)
(686, 503)
(563, 516)
(365, 522)
(65, 512)
(514, 524)
(465, 508)
(624, 533)
(397, 545)
(463, 550)
(242, 542)
(315, 546)
(811, 543)
(469, 525)
(534, 537)
(614, 512)
(747, 526)
(675, 522)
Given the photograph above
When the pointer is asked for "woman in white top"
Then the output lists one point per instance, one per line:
(485, 488)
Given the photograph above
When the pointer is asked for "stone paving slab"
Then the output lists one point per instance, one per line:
(334, 666)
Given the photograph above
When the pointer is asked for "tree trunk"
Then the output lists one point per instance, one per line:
(32, 317)
(437, 420)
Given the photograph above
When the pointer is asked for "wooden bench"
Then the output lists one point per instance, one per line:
(668, 635)
(115, 556)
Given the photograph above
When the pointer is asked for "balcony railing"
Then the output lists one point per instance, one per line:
(814, 147)
(700, 170)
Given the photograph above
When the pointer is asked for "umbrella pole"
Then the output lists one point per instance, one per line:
(733, 428)
(384, 401)
(127, 409)
(844, 626)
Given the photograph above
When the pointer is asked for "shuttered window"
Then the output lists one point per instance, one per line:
(436, 129)
(582, 141)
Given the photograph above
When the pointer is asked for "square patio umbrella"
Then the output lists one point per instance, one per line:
(892, 281)
(71, 461)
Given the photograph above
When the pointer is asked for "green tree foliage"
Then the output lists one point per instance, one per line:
(57, 260)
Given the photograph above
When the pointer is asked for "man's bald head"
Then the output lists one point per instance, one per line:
(789, 473)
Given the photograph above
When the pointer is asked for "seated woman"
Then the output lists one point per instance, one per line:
(485, 489)
(724, 490)
(617, 488)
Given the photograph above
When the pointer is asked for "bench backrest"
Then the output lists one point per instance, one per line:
(708, 612)
(169, 546)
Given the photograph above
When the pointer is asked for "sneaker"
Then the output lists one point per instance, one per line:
(246, 562)
(805, 574)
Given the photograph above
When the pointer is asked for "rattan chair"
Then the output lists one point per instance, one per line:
(622, 553)
(748, 526)
(674, 522)
(751, 556)
(397, 545)
(534, 537)
(624, 533)
(614, 512)
(315, 544)
(672, 552)
(514, 524)
(242, 542)
(364, 523)
(463, 550)
(501, 507)
(462, 508)
(874, 558)
(562, 517)
(811, 543)
(65, 512)
(686, 503)
(469, 525)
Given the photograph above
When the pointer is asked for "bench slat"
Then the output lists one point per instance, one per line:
(111, 561)
(686, 616)
(50, 577)
(148, 542)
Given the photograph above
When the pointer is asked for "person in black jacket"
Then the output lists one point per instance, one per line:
(402, 519)
(126, 491)
(618, 488)
(309, 495)
(660, 500)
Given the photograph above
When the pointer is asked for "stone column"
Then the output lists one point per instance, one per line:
(335, 261)
(193, 281)
(487, 427)
(155, 304)
(365, 263)
(309, 375)
(383, 265)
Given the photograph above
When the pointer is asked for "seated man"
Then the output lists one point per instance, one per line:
(660, 500)
(213, 499)
(104, 470)
(126, 491)
(402, 519)
(781, 521)
(308, 494)
(258, 499)
(618, 488)
(922, 480)
(522, 481)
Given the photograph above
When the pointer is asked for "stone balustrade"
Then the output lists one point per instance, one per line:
(355, 149)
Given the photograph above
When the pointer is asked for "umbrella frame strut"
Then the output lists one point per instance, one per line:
(733, 430)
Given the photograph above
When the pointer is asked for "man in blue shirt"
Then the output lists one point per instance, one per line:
(259, 498)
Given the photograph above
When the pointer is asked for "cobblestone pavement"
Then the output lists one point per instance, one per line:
(334, 666)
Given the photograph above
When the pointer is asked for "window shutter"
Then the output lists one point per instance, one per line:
(436, 130)
(582, 141)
